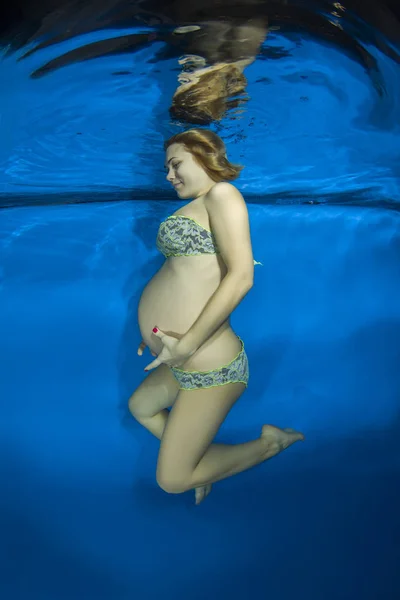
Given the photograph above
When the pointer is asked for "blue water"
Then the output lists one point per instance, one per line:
(317, 123)
(81, 515)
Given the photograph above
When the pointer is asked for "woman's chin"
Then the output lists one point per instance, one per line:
(180, 192)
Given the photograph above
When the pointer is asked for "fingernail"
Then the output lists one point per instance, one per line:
(155, 330)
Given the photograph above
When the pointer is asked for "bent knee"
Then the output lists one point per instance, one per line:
(140, 409)
(135, 408)
(172, 484)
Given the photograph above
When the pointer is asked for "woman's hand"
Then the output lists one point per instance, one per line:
(173, 352)
(142, 346)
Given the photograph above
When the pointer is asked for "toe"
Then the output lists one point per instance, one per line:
(199, 495)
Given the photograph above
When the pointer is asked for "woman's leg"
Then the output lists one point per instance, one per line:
(187, 458)
(149, 403)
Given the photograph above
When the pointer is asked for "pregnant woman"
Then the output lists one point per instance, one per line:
(201, 367)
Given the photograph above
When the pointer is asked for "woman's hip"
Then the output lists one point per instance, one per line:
(230, 365)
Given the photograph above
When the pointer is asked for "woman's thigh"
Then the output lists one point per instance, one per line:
(157, 391)
(202, 404)
(191, 427)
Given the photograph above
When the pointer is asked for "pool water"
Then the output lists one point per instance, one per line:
(81, 514)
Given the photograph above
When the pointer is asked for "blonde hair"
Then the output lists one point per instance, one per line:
(209, 99)
(209, 152)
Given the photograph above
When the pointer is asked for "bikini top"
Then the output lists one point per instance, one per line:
(179, 235)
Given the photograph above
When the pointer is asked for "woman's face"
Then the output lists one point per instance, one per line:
(186, 176)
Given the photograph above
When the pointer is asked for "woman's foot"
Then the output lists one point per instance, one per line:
(202, 492)
(279, 439)
(275, 439)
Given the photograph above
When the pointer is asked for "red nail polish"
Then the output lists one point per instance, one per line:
(155, 330)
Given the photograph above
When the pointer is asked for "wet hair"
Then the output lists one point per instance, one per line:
(210, 98)
(208, 151)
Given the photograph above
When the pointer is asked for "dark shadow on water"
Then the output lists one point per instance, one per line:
(368, 198)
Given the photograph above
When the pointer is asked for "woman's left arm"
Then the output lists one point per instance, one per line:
(230, 226)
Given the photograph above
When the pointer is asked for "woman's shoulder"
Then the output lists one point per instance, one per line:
(223, 190)
(224, 199)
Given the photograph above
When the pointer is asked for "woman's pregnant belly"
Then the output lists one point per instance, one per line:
(173, 300)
